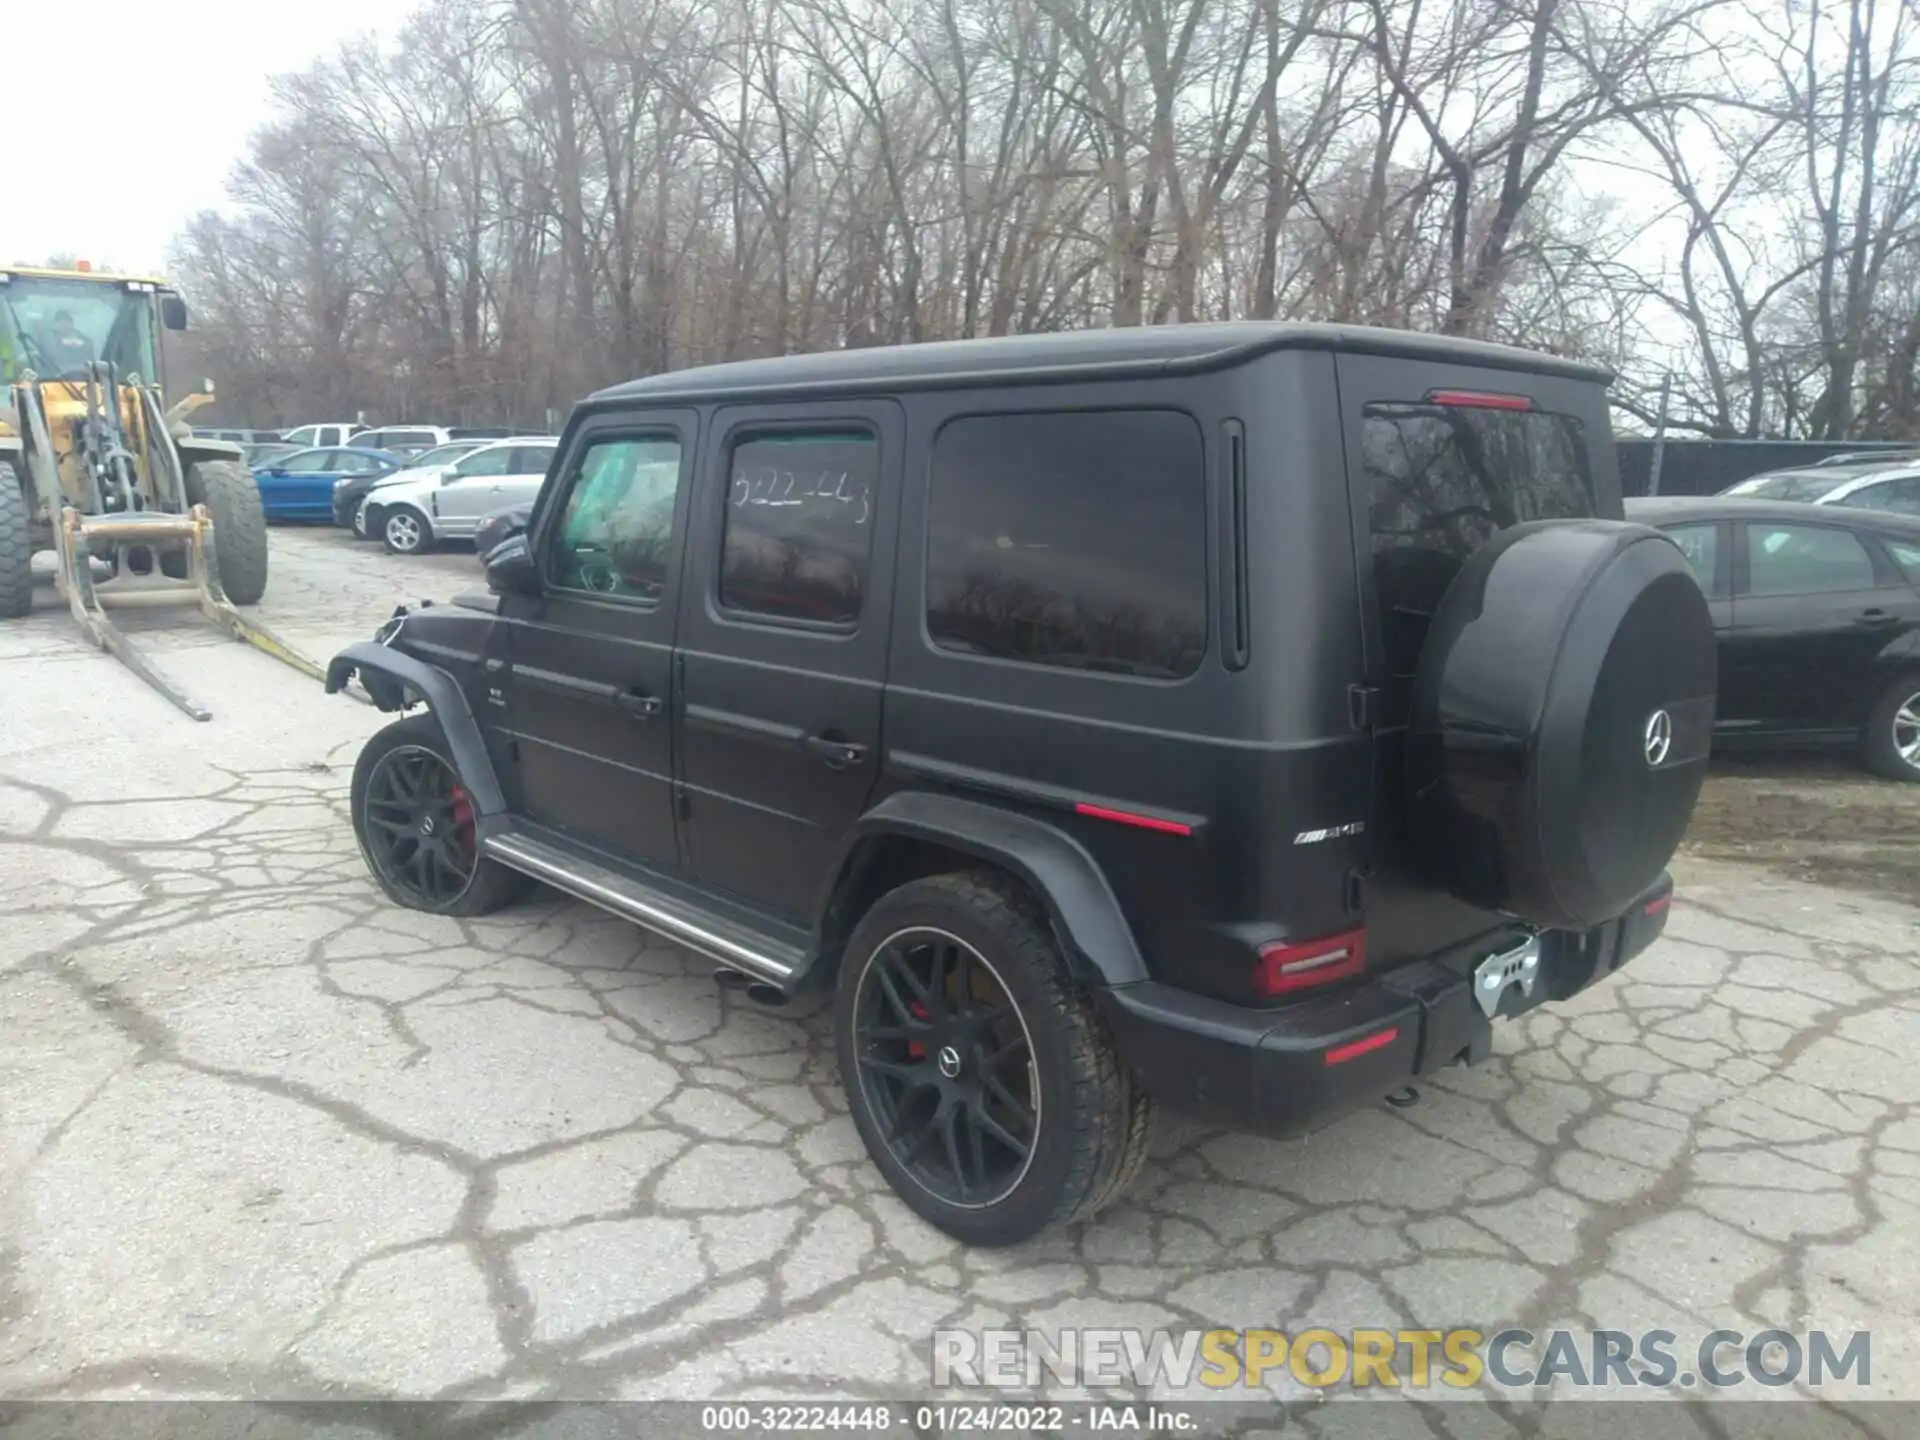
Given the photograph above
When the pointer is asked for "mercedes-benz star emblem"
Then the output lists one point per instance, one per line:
(426, 826)
(1659, 738)
(949, 1061)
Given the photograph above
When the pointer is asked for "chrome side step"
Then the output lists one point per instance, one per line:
(717, 939)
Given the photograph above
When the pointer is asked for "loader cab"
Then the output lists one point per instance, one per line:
(52, 323)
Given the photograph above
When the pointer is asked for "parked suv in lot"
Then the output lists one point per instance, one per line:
(413, 514)
(1240, 717)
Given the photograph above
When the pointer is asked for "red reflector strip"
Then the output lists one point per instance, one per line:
(1127, 817)
(1354, 1049)
(1654, 907)
(1479, 400)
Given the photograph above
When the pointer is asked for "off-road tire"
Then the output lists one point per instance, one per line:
(1095, 1120)
(16, 547)
(226, 488)
(1879, 749)
(388, 516)
(493, 885)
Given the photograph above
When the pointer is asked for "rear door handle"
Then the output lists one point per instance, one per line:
(1876, 616)
(837, 754)
(638, 705)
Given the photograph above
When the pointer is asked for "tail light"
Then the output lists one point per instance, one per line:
(1291, 965)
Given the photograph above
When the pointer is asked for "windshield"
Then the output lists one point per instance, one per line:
(54, 327)
(1786, 486)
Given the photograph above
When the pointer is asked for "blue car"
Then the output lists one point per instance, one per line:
(300, 486)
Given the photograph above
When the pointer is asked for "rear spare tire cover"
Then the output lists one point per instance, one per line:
(1561, 720)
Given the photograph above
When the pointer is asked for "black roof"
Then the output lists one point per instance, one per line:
(1680, 509)
(1075, 355)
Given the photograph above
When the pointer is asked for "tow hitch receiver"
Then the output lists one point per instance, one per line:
(149, 534)
(1518, 966)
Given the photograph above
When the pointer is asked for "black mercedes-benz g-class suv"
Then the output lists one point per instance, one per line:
(1239, 716)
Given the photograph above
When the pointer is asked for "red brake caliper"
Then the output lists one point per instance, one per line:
(462, 809)
(915, 1050)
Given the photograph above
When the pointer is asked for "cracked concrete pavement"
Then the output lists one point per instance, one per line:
(262, 1134)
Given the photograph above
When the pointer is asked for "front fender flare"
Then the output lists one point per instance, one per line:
(396, 680)
(1081, 905)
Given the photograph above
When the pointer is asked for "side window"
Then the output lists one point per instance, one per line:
(1071, 539)
(486, 462)
(799, 523)
(1804, 560)
(1701, 545)
(531, 460)
(311, 463)
(615, 536)
(1907, 557)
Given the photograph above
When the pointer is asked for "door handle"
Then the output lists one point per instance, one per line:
(1876, 616)
(638, 705)
(836, 754)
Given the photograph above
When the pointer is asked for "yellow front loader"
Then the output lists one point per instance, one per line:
(94, 467)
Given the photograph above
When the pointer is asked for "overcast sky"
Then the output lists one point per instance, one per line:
(126, 117)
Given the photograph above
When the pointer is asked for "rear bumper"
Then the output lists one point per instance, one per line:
(1289, 1071)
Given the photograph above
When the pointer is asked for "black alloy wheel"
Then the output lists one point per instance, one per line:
(946, 1065)
(418, 827)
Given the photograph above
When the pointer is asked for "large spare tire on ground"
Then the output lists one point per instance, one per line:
(1561, 721)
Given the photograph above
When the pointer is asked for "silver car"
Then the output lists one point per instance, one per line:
(413, 516)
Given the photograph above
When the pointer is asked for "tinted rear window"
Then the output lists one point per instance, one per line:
(1443, 480)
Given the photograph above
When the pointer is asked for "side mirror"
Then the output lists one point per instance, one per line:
(510, 568)
(449, 475)
(173, 313)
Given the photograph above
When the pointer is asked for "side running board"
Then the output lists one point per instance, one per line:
(678, 920)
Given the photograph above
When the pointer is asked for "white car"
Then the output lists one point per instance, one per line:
(331, 434)
(1864, 487)
(419, 508)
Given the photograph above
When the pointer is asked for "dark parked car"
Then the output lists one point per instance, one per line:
(1817, 610)
(501, 525)
(1240, 717)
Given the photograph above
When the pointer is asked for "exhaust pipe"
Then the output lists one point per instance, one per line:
(759, 991)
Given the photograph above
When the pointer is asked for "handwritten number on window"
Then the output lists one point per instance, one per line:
(784, 489)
